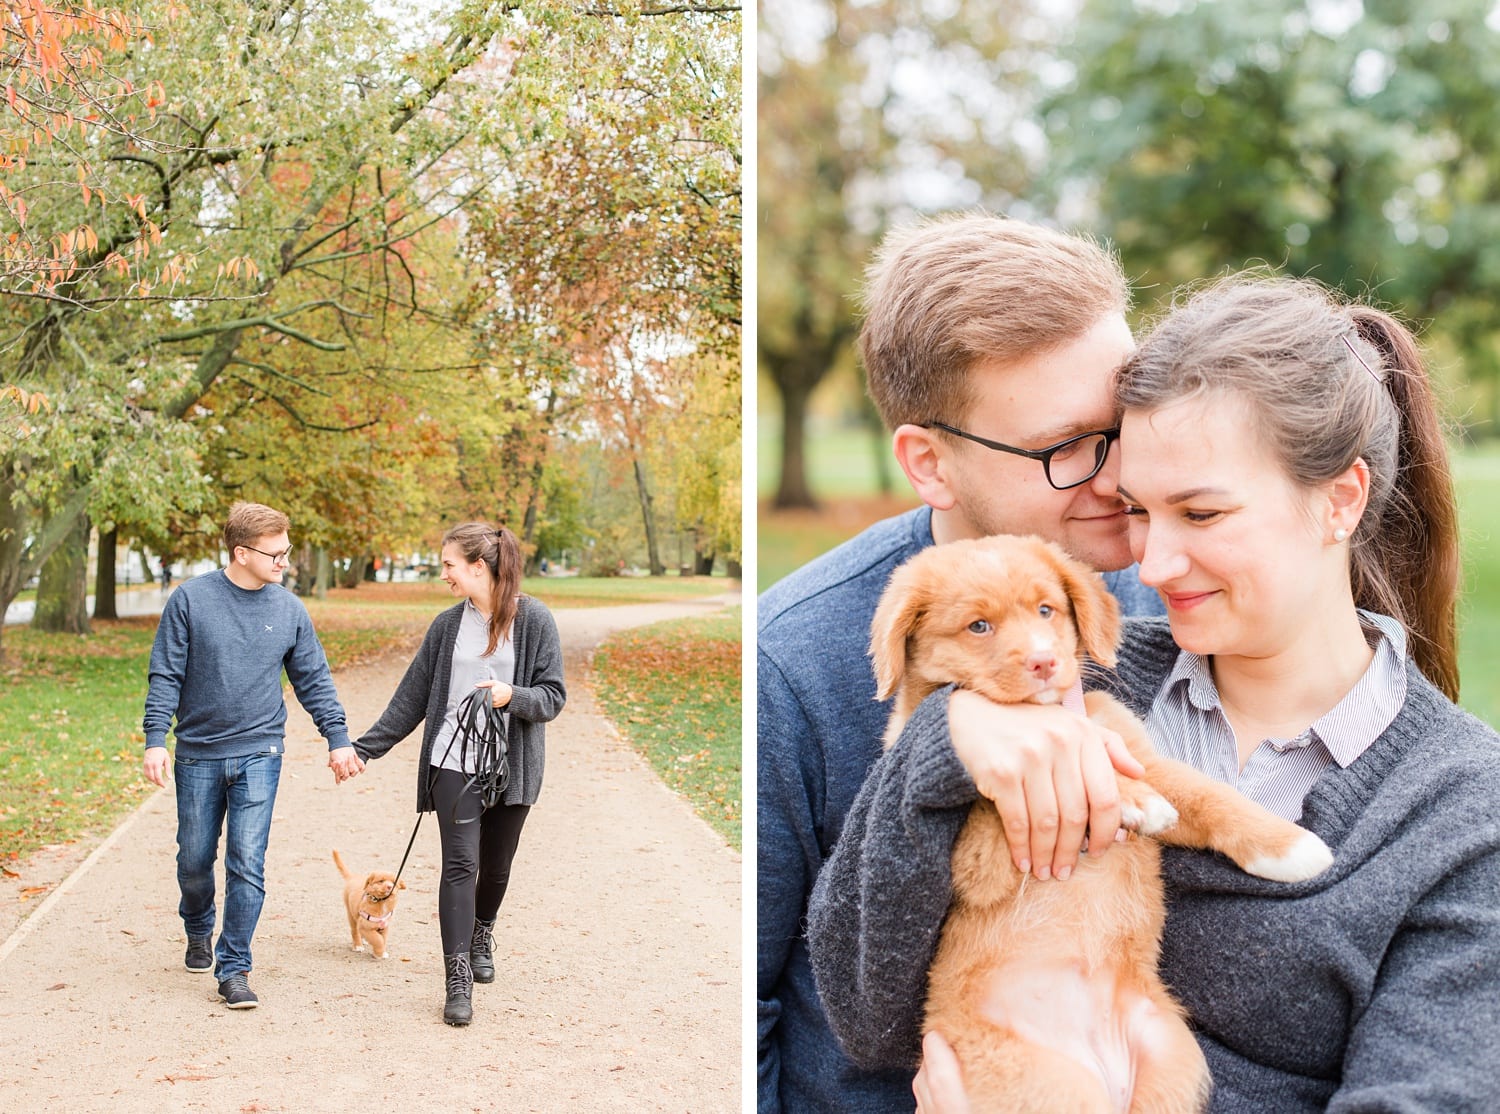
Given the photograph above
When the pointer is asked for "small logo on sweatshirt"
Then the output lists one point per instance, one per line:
(268, 628)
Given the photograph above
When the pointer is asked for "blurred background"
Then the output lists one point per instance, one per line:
(1354, 142)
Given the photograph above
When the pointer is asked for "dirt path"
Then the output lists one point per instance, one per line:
(618, 948)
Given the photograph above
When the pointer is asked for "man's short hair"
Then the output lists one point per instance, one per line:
(248, 522)
(947, 293)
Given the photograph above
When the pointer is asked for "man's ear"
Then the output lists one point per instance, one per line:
(926, 460)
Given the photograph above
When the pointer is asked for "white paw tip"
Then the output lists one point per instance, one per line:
(1152, 818)
(1308, 858)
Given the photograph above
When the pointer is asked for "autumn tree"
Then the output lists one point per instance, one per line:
(870, 112)
(614, 253)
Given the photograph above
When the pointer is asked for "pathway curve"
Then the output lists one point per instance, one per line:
(618, 948)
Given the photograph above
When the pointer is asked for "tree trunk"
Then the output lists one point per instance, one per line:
(703, 563)
(324, 576)
(351, 577)
(25, 543)
(104, 579)
(653, 555)
(62, 591)
(792, 490)
(733, 569)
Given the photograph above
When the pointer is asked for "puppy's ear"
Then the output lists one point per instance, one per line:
(400, 885)
(369, 879)
(903, 603)
(1096, 613)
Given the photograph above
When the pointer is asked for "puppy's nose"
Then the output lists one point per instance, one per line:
(1043, 663)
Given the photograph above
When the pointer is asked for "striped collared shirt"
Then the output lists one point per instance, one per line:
(1188, 723)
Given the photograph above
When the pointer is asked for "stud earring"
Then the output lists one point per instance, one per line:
(1340, 534)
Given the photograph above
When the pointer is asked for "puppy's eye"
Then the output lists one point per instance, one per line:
(979, 626)
(1046, 611)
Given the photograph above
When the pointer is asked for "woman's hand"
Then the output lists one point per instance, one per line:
(939, 1085)
(500, 692)
(1051, 774)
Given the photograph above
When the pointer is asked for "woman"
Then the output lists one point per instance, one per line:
(507, 643)
(1282, 462)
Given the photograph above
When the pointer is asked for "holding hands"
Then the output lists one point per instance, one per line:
(344, 763)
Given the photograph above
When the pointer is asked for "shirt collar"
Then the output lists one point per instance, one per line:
(1356, 721)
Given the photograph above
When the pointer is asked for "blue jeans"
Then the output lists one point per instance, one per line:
(208, 790)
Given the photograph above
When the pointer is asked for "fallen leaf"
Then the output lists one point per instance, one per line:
(58, 986)
(33, 891)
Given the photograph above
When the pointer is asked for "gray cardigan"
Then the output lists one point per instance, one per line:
(1374, 987)
(537, 697)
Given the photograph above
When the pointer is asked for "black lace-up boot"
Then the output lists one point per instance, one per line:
(459, 1008)
(482, 951)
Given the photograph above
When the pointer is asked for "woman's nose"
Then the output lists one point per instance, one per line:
(1161, 559)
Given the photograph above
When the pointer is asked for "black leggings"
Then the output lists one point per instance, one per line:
(476, 856)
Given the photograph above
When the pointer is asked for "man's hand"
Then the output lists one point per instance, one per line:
(1051, 774)
(939, 1085)
(344, 763)
(500, 692)
(154, 765)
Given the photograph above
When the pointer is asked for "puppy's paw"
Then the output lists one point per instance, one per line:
(358, 947)
(1149, 815)
(1307, 858)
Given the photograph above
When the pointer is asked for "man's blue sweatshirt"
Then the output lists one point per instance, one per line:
(216, 666)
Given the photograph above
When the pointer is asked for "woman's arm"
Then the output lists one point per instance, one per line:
(880, 899)
(1427, 1038)
(543, 695)
(408, 705)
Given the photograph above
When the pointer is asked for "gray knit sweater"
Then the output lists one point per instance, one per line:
(538, 696)
(1374, 987)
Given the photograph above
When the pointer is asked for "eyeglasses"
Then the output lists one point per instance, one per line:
(1067, 463)
(276, 558)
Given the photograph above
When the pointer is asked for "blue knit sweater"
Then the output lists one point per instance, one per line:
(216, 666)
(819, 730)
(1374, 987)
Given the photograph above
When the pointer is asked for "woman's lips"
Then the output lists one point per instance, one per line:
(1185, 601)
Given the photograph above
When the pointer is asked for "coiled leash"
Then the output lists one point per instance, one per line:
(479, 728)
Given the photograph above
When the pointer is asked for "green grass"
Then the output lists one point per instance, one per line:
(840, 457)
(70, 757)
(673, 689)
(1477, 472)
(70, 718)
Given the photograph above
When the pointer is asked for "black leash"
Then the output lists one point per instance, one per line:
(479, 727)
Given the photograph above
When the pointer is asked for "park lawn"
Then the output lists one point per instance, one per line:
(673, 690)
(1477, 474)
(70, 719)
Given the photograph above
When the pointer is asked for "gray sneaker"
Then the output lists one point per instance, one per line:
(236, 992)
(200, 955)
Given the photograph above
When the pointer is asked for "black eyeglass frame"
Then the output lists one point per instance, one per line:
(1044, 455)
(286, 557)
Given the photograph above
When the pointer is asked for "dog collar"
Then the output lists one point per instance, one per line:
(378, 922)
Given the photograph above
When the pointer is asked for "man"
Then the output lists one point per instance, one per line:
(989, 346)
(216, 666)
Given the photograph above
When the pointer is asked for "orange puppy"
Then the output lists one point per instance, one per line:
(370, 904)
(1049, 992)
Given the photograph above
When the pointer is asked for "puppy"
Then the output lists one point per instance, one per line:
(1049, 993)
(370, 904)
